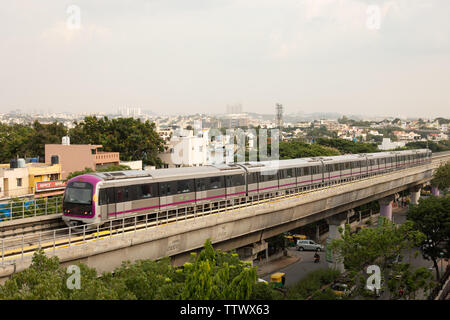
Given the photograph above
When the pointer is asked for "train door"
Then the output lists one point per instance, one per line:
(201, 186)
(327, 168)
(111, 204)
(119, 195)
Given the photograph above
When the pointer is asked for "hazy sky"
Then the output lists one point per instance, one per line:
(189, 56)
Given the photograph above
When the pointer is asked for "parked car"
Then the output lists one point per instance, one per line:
(342, 289)
(308, 245)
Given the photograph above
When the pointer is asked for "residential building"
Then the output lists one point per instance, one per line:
(77, 157)
(31, 179)
(184, 150)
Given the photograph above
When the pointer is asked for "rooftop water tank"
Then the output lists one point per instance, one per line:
(66, 141)
(21, 163)
(55, 160)
(13, 164)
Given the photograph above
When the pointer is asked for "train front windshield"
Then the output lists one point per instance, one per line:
(78, 198)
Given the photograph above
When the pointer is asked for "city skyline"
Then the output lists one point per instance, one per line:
(172, 58)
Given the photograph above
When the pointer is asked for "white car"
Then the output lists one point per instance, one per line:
(308, 245)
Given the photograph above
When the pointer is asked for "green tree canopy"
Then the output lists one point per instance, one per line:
(345, 146)
(432, 218)
(378, 245)
(134, 139)
(441, 178)
(298, 149)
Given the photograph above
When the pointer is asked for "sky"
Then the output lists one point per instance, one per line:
(374, 58)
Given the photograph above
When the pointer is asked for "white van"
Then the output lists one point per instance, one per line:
(308, 245)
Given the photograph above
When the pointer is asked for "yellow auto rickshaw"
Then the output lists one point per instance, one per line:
(278, 279)
(290, 241)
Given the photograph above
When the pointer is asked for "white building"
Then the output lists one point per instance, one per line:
(185, 150)
(387, 144)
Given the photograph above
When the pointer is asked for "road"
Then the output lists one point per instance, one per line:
(298, 270)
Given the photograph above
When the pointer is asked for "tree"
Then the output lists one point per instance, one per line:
(135, 140)
(432, 218)
(409, 281)
(297, 149)
(311, 284)
(441, 178)
(214, 275)
(42, 280)
(345, 146)
(438, 146)
(210, 275)
(378, 246)
(28, 140)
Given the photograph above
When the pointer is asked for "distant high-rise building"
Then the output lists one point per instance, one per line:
(279, 108)
(130, 112)
(234, 109)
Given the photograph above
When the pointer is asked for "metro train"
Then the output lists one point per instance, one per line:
(97, 198)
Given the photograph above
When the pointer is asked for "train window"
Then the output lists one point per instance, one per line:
(200, 184)
(103, 198)
(286, 173)
(347, 165)
(290, 173)
(185, 186)
(216, 183)
(126, 193)
(252, 177)
(172, 188)
(168, 188)
(267, 176)
(119, 194)
(148, 191)
(235, 180)
(336, 167)
(306, 171)
(134, 193)
(162, 189)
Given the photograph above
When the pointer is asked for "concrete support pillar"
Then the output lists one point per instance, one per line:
(386, 207)
(334, 223)
(435, 191)
(415, 194)
(317, 233)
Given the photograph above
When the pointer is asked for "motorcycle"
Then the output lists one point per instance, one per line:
(316, 258)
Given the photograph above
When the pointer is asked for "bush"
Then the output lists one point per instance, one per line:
(311, 283)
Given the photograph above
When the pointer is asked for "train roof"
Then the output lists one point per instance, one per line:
(170, 172)
(236, 168)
